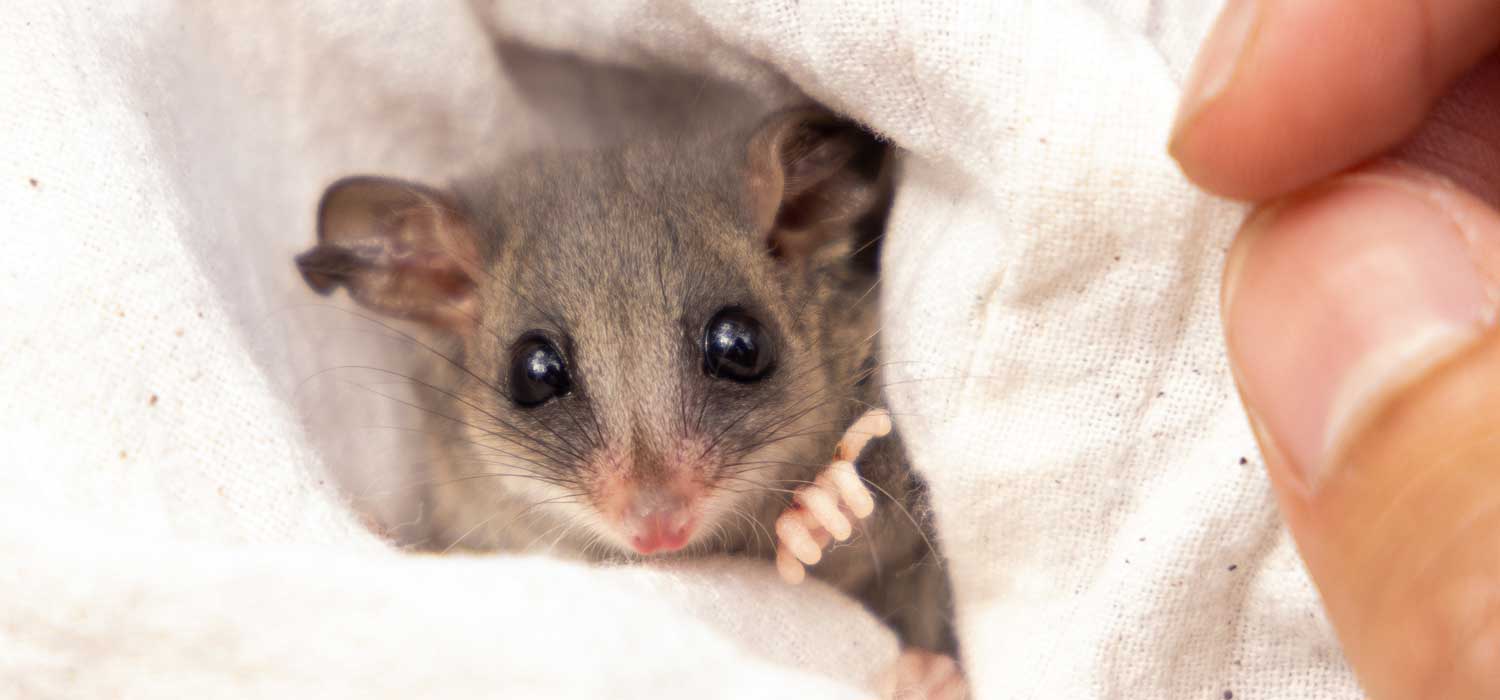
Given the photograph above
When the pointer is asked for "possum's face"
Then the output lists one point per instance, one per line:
(643, 343)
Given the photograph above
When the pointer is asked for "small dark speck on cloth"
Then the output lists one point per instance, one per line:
(1229, 695)
(1244, 461)
(151, 401)
(32, 181)
(1232, 567)
(1160, 394)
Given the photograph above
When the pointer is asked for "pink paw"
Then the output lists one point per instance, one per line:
(919, 674)
(821, 511)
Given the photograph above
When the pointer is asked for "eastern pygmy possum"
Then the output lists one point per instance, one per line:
(651, 350)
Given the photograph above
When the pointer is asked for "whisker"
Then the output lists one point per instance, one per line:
(540, 446)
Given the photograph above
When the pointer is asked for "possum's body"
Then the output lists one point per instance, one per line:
(589, 279)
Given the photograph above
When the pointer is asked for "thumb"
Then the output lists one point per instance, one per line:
(1360, 322)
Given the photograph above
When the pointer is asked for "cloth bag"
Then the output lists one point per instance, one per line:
(181, 510)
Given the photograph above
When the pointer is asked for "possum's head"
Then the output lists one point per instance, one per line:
(648, 341)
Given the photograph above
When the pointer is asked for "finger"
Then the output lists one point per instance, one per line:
(787, 565)
(852, 489)
(821, 538)
(874, 423)
(1460, 138)
(1360, 322)
(1287, 92)
(821, 504)
(797, 538)
(815, 529)
(826, 482)
(807, 519)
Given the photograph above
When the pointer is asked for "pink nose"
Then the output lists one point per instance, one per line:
(661, 531)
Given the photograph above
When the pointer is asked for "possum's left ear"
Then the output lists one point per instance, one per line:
(814, 177)
(401, 249)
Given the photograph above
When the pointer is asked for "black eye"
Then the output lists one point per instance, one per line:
(537, 373)
(735, 347)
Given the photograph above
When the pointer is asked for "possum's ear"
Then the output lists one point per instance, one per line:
(401, 249)
(813, 178)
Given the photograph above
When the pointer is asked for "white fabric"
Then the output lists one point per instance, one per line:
(168, 528)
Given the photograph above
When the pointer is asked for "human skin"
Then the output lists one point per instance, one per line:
(1359, 307)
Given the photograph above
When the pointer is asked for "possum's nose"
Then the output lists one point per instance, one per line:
(661, 530)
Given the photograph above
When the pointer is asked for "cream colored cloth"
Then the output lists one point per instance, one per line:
(169, 528)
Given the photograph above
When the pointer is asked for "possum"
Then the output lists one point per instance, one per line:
(651, 350)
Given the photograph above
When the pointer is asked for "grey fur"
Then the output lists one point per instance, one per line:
(621, 256)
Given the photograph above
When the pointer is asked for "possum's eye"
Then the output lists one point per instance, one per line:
(735, 347)
(537, 373)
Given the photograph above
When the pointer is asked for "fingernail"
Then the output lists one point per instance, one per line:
(1217, 61)
(1335, 299)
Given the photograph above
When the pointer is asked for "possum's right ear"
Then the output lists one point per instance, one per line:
(401, 249)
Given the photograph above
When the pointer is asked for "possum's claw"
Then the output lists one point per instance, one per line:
(821, 511)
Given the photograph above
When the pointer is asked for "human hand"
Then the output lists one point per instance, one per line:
(1359, 306)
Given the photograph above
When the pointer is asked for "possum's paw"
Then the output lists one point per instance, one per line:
(919, 674)
(821, 511)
